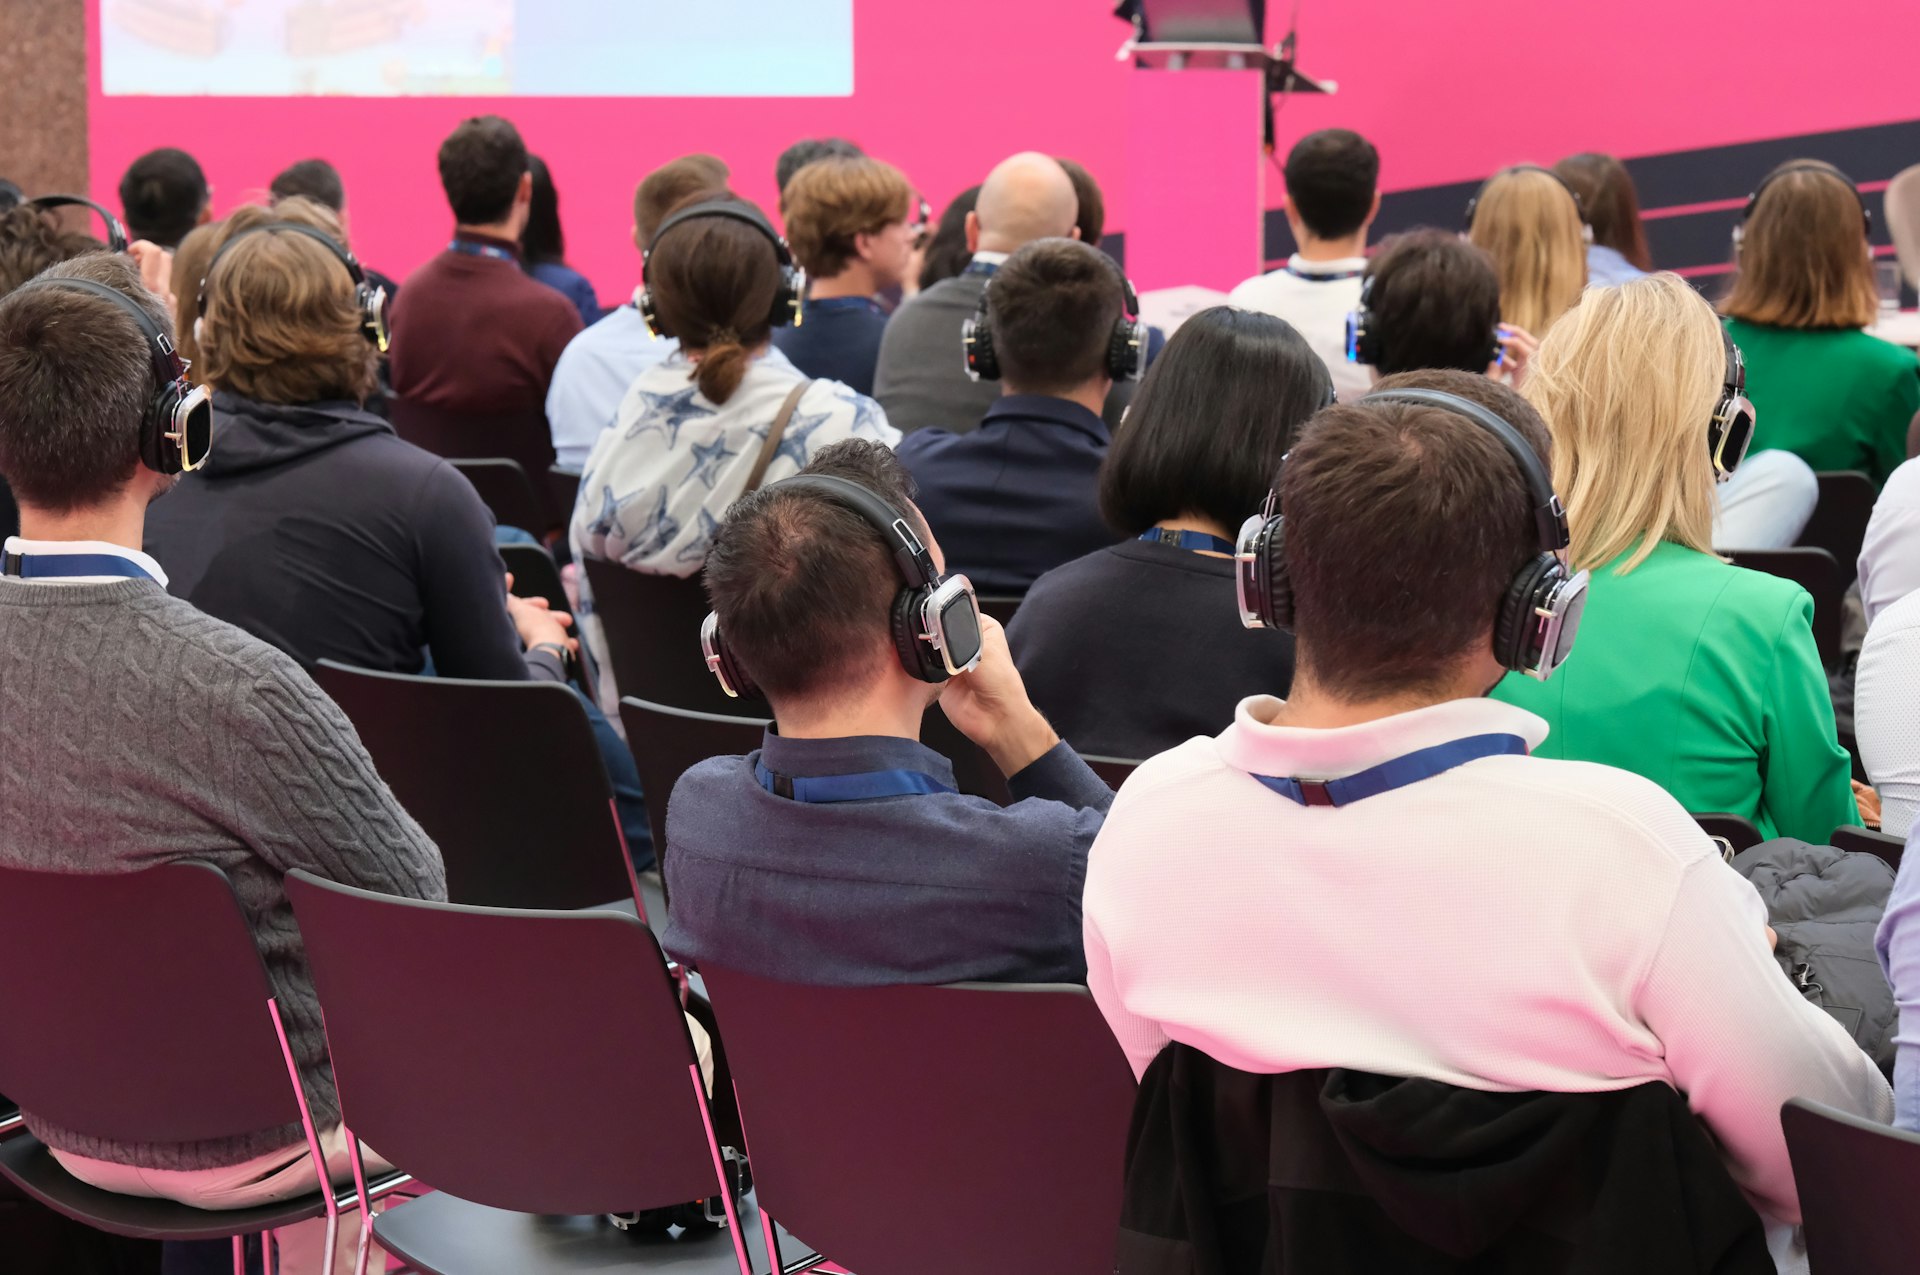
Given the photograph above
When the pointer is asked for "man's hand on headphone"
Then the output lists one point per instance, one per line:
(156, 270)
(990, 706)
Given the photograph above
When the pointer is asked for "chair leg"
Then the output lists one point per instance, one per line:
(776, 1264)
(239, 1255)
(719, 1171)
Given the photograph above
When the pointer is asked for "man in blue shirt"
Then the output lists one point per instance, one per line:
(853, 223)
(1018, 496)
(839, 853)
(599, 364)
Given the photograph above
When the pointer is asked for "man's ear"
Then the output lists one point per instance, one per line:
(973, 232)
(523, 194)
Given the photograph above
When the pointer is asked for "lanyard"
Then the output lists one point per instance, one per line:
(822, 789)
(1193, 541)
(472, 249)
(47, 566)
(1322, 277)
(1395, 773)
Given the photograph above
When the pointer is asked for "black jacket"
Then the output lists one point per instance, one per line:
(318, 530)
(1335, 1172)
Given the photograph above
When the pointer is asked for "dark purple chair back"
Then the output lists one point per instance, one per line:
(1858, 1181)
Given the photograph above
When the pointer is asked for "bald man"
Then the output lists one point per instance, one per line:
(921, 378)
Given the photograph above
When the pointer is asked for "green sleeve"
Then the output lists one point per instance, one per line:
(1901, 403)
(1806, 787)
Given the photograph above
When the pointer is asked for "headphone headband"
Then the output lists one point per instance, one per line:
(116, 233)
(372, 300)
(1810, 166)
(912, 557)
(730, 208)
(1579, 204)
(167, 363)
(1549, 517)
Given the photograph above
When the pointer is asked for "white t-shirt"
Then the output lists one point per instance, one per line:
(1514, 923)
(1315, 297)
(1890, 555)
(1886, 712)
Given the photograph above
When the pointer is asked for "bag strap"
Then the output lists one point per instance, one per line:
(772, 445)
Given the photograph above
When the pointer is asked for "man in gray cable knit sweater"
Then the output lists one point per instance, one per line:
(139, 730)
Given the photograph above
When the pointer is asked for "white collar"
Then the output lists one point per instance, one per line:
(1253, 744)
(57, 548)
(1298, 264)
(988, 258)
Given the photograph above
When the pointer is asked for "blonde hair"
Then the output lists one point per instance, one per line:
(1528, 223)
(831, 202)
(1627, 382)
(282, 323)
(1803, 258)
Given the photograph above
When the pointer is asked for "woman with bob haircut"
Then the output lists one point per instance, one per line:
(1618, 252)
(1825, 390)
(1137, 647)
(1697, 674)
(1526, 219)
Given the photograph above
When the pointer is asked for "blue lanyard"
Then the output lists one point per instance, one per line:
(472, 249)
(1193, 541)
(865, 786)
(1318, 277)
(983, 268)
(1395, 773)
(48, 566)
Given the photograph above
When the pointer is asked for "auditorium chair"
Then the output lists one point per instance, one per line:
(506, 490)
(563, 490)
(652, 628)
(1816, 571)
(1869, 841)
(1736, 830)
(974, 1127)
(1114, 770)
(504, 776)
(1858, 1180)
(535, 1067)
(521, 437)
(666, 741)
(535, 575)
(1839, 521)
(148, 1018)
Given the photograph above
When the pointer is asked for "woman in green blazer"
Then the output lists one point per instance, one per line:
(1697, 674)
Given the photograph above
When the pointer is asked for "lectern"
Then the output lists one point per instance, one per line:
(1199, 111)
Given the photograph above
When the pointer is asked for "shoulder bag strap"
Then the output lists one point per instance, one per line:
(774, 434)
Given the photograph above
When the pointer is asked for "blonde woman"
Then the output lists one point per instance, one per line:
(1828, 392)
(1699, 675)
(1529, 221)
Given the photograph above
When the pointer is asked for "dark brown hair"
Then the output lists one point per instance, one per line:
(712, 280)
(1053, 305)
(669, 185)
(1803, 253)
(1433, 301)
(31, 240)
(1404, 527)
(76, 377)
(481, 164)
(1092, 218)
(804, 587)
(1611, 203)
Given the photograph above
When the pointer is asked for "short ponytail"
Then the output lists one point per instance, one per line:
(721, 368)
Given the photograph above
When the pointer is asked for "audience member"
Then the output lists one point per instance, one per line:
(1886, 714)
(1826, 390)
(319, 180)
(599, 365)
(472, 332)
(714, 419)
(921, 378)
(839, 852)
(31, 240)
(1890, 554)
(1531, 223)
(1090, 222)
(195, 254)
(1193, 459)
(544, 245)
(1699, 675)
(1333, 195)
(164, 195)
(192, 739)
(1271, 898)
(853, 228)
(947, 253)
(1018, 496)
(1617, 253)
(1430, 300)
(806, 151)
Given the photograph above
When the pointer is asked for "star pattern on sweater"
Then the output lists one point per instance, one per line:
(667, 413)
(607, 521)
(707, 460)
(866, 413)
(794, 445)
(656, 533)
(696, 549)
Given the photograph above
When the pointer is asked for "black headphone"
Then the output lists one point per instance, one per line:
(1126, 344)
(935, 620)
(793, 280)
(370, 297)
(1364, 344)
(1730, 431)
(1539, 612)
(176, 430)
(116, 233)
(1866, 214)
(1579, 204)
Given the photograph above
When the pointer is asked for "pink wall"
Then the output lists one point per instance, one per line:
(1448, 90)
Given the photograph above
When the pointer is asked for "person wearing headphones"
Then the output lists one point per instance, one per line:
(1699, 675)
(1019, 496)
(839, 852)
(1530, 222)
(1430, 300)
(1826, 390)
(156, 732)
(1381, 871)
(719, 416)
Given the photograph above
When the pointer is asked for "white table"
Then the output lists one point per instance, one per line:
(1901, 329)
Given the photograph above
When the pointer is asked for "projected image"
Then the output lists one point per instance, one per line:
(541, 48)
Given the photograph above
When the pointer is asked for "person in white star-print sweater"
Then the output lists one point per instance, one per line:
(691, 429)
